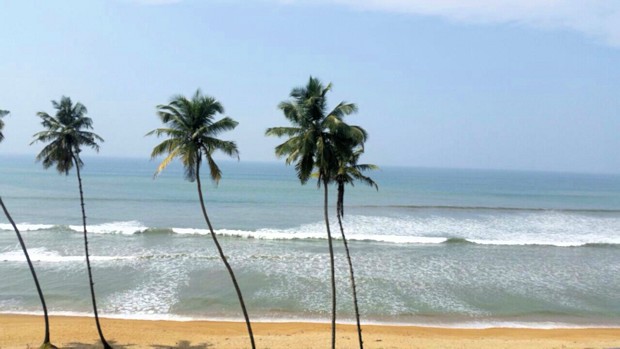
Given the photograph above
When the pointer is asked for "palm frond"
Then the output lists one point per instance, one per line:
(167, 113)
(216, 173)
(343, 109)
(171, 155)
(224, 124)
(283, 131)
(316, 138)
(66, 135)
(192, 132)
(2, 114)
(293, 112)
(167, 146)
(211, 145)
(166, 131)
(191, 159)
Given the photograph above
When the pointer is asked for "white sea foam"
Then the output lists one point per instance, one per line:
(274, 234)
(529, 243)
(291, 234)
(26, 226)
(186, 231)
(125, 228)
(545, 325)
(519, 229)
(532, 228)
(44, 255)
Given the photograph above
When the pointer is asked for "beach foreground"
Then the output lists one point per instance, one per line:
(22, 331)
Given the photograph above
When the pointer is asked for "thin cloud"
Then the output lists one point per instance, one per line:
(598, 19)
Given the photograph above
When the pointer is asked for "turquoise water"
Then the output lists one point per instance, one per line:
(432, 246)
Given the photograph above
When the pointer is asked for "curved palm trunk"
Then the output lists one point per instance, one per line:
(223, 257)
(340, 214)
(46, 340)
(340, 202)
(331, 263)
(90, 275)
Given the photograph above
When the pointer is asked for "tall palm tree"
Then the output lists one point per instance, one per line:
(348, 172)
(46, 340)
(192, 131)
(317, 138)
(66, 135)
(2, 114)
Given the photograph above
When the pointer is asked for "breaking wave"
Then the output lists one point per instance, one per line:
(523, 229)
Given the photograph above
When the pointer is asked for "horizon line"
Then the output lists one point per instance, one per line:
(419, 167)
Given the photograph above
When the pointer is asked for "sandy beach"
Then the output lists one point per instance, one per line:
(23, 331)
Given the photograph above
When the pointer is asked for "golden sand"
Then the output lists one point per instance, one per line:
(23, 331)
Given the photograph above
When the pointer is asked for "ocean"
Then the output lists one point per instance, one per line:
(436, 247)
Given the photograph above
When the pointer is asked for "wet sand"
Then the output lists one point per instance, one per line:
(25, 331)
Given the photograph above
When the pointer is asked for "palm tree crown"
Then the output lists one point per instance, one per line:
(316, 136)
(66, 135)
(2, 114)
(192, 131)
(350, 171)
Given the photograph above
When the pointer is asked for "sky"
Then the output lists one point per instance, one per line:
(521, 85)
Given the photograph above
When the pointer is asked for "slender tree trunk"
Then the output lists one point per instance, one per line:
(90, 274)
(46, 340)
(351, 274)
(340, 203)
(331, 263)
(223, 257)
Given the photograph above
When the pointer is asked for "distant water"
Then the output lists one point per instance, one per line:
(432, 246)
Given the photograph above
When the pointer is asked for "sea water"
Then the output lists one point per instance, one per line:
(440, 247)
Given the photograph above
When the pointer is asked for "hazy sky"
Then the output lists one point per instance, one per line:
(528, 84)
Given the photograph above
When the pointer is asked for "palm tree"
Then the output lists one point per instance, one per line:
(348, 172)
(66, 135)
(317, 138)
(46, 340)
(2, 114)
(192, 131)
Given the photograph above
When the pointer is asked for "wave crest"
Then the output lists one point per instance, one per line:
(44, 255)
(524, 229)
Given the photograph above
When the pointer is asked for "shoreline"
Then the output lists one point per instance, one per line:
(547, 324)
(20, 331)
